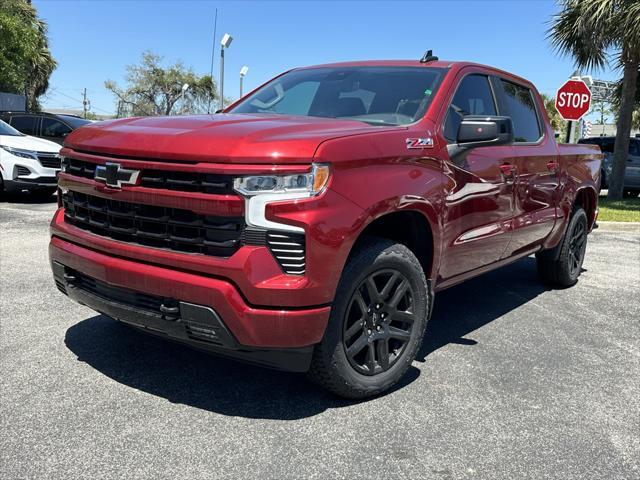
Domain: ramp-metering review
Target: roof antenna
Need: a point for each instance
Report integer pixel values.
(428, 57)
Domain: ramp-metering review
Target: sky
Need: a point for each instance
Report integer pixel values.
(94, 40)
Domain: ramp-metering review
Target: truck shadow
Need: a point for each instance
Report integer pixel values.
(27, 198)
(186, 376)
(460, 310)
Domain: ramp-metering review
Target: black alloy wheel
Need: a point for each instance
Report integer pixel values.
(378, 322)
(561, 266)
(577, 246)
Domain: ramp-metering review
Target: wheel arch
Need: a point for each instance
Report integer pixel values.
(587, 198)
(411, 225)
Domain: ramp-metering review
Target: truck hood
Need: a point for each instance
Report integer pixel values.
(221, 138)
(26, 142)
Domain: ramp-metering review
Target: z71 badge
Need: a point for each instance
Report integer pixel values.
(413, 143)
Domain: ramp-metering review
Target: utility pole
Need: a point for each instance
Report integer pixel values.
(85, 103)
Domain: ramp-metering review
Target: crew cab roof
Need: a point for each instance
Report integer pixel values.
(448, 64)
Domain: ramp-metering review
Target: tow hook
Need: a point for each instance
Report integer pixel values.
(170, 313)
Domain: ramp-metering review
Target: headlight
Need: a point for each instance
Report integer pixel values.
(307, 184)
(260, 190)
(18, 152)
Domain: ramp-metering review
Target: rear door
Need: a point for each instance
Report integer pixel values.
(535, 156)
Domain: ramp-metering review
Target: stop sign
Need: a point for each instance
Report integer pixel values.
(573, 100)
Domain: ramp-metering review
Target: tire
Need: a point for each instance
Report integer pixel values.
(350, 360)
(564, 271)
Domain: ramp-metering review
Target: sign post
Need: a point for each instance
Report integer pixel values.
(573, 100)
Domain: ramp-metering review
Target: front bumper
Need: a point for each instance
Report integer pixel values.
(276, 337)
(36, 177)
(30, 184)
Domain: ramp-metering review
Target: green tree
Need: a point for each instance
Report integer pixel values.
(635, 120)
(25, 60)
(598, 33)
(156, 90)
(617, 97)
(557, 122)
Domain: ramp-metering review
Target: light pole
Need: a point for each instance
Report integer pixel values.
(185, 87)
(224, 43)
(243, 72)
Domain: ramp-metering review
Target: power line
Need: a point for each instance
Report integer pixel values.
(80, 101)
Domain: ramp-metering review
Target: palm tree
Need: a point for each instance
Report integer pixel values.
(597, 33)
(33, 66)
(557, 122)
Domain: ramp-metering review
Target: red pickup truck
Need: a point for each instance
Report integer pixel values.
(309, 225)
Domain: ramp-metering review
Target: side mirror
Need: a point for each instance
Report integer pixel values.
(485, 131)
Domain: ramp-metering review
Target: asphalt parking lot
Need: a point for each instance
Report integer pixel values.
(513, 381)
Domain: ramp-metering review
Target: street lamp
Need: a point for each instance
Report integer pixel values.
(243, 72)
(224, 43)
(185, 87)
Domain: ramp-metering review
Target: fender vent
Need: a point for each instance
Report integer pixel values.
(289, 251)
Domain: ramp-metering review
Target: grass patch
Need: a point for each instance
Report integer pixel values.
(627, 210)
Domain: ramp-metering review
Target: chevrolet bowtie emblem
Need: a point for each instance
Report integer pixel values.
(114, 176)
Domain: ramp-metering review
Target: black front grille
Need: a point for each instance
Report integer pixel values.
(187, 181)
(154, 226)
(49, 160)
(289, 250)
(78, 168)
(163, 179)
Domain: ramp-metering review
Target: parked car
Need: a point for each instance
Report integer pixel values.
(631, 173)
(44, 125)
(309, 225)
(27, 163)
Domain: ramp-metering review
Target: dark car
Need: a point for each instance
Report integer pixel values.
(631, 173)
(44, 125)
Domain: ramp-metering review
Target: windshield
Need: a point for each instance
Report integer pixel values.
(75, 122)
(375, 95)
(6, 129)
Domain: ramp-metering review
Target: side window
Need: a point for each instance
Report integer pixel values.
(634, 148)
(54, 128)
(473, 97)
(522, 110)
(24, 123)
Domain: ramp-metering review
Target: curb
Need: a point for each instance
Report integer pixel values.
(633, 227)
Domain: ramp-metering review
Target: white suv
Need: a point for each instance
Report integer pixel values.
(27, 163)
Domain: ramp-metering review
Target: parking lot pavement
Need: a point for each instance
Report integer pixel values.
(513, 381)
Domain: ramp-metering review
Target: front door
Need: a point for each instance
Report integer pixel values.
(478, 203)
